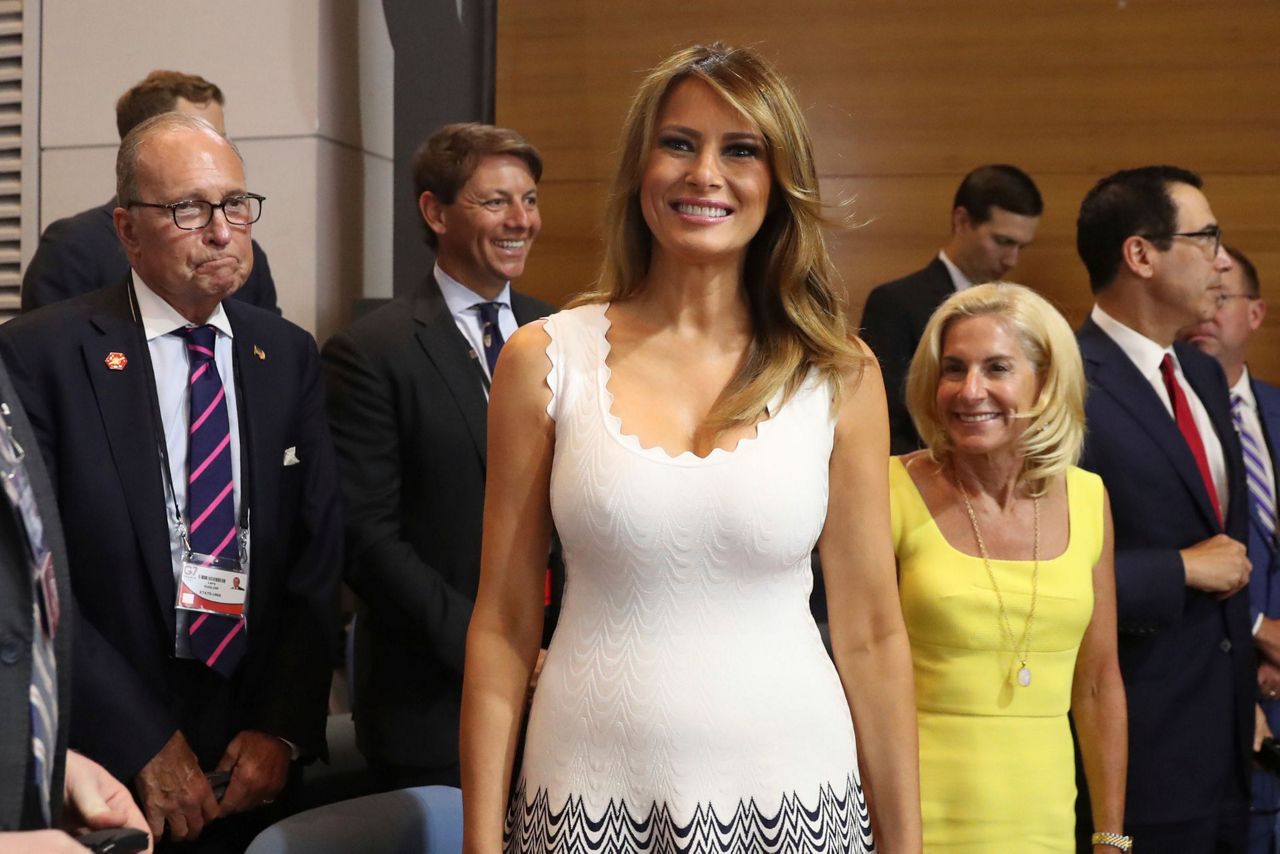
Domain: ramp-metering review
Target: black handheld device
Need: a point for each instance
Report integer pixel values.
(116, 840)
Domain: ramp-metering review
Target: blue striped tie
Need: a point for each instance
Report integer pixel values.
(44, 706)
(1261, 495)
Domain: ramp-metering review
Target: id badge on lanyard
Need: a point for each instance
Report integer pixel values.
(22, 498)
(214, 584)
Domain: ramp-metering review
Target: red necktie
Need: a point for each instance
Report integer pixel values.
(1187, 424)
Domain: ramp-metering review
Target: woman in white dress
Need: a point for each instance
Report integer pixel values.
(690, 427)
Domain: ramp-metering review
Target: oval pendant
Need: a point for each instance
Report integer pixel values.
(1024, 676)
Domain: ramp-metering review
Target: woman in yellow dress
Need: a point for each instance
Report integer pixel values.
(1004, 553)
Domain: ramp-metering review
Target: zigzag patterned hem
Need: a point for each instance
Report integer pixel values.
(837, 824)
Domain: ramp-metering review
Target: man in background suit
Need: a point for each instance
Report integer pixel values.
(185, 437)
(1255, 408)
(81, 253)
(408, 397)
(1160, 435)
(993, 218)
(38, 776)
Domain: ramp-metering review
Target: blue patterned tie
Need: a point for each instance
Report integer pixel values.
(217, 640)
(490, 333)
(44, 706)
(1261, 495)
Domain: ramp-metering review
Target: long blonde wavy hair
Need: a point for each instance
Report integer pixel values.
(788, 277)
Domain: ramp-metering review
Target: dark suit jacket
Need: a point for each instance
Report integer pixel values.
(892, 322)
(81, 253)
(1186, 657)
(408, 412)
(17, 630)
(1264, 583)
(100, 438)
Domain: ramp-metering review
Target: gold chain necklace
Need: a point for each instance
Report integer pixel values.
(1024, 672)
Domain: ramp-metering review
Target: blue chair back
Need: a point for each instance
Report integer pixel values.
(422, 820)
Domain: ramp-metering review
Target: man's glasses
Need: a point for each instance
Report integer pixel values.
(1210, 236)
(1222, 299)
(195, 214)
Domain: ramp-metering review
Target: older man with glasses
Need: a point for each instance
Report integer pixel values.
(185, 436)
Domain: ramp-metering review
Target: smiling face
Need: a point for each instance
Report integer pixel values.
(985, 382)
(191, 270)
(485, 234)
(705, 187)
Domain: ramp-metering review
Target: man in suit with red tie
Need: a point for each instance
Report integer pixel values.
(1161, 436)
(185, 437)
(408, 397)
(1255, 409)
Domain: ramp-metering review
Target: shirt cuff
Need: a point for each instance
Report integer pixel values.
(1257, 624)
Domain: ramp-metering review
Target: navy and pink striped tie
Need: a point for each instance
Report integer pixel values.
(219, 641)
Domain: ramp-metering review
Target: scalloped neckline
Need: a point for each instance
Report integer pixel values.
(656, 452)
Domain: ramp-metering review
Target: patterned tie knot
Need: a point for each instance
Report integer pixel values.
(199, 342)
(1237, 404)
(488, 312)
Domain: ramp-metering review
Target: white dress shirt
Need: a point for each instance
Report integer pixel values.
(169, 364)
(958, 279)
(1146, 356)
(462, 301)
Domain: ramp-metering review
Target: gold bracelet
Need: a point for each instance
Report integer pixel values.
(1115, 840)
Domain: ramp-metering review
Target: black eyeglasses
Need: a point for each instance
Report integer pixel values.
(1211, 232)
(195, 214)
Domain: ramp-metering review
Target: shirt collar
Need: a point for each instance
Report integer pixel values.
(958, 278)
(461, 299)
(1141, 350)
(1244, 390)
(160, 318)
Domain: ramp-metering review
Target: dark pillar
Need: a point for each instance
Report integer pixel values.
(445, 56)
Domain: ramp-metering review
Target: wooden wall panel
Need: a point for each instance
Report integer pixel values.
(905, 97)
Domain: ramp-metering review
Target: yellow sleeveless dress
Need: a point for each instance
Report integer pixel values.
(997, 770)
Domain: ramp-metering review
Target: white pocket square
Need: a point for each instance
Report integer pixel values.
(291, 456)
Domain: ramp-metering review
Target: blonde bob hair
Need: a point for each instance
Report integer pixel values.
(788, 277)
(1055, 434)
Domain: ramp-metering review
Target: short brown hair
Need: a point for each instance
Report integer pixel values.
(157, 93)
(444, 163)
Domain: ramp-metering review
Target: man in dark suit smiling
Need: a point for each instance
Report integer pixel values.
(1161, 436)
(185, 436)
(408, 397)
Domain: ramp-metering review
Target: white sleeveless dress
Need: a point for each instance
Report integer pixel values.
(687, 703)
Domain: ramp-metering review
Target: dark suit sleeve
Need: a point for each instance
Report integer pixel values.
(294, 701)
(886, 328)
(383, 568)
(260, 289)
(118, 719)
(64, 265)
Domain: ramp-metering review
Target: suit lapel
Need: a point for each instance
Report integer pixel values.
(452, 356)
(1110, 369)
(256, 393)
(124, 399)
